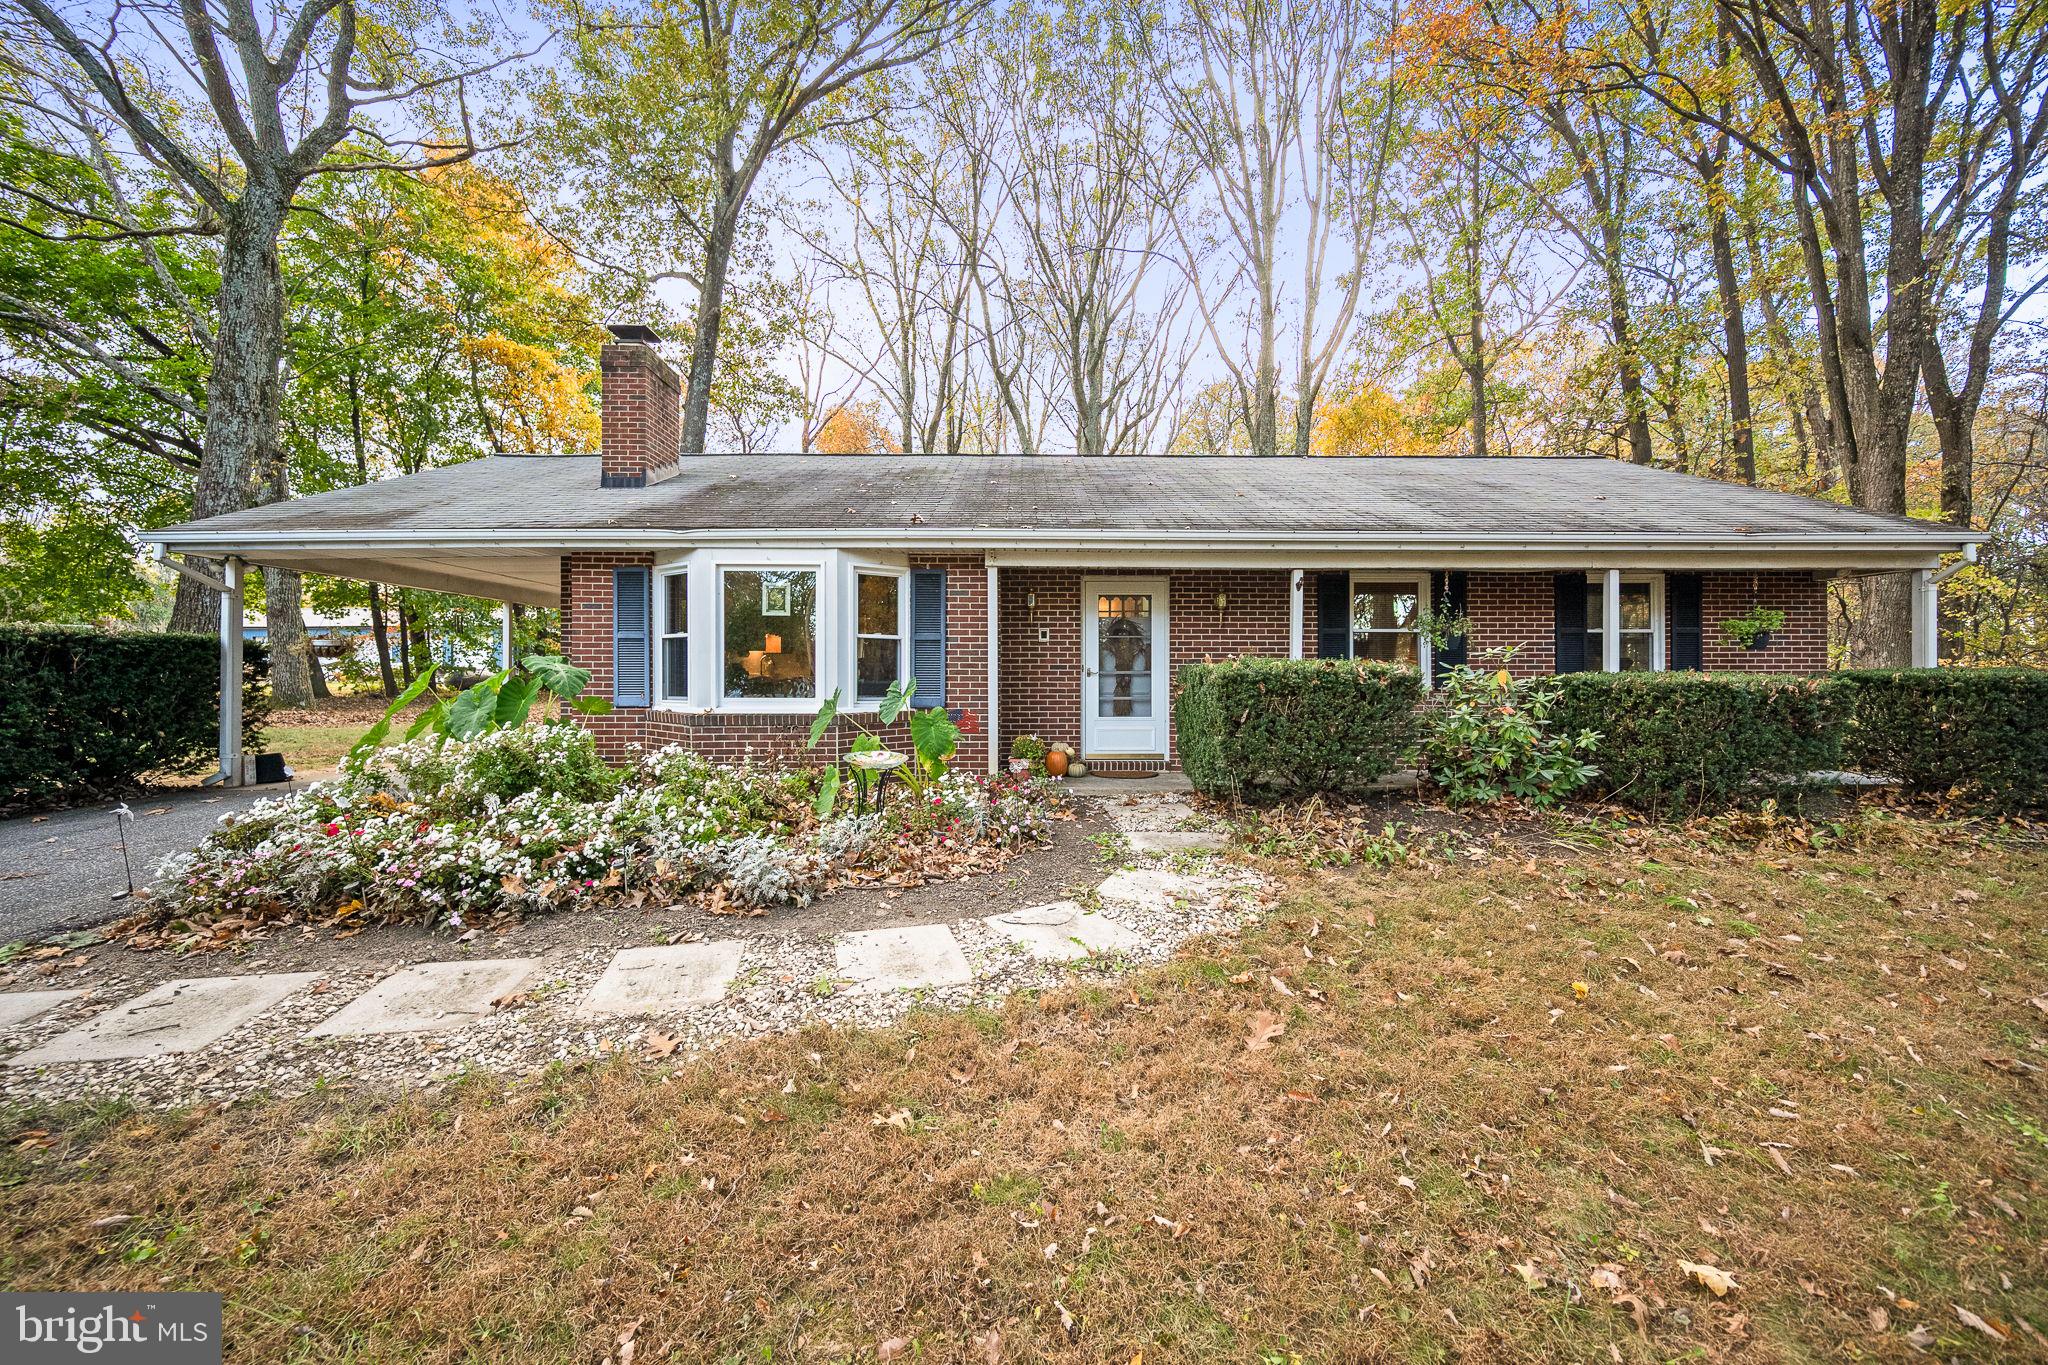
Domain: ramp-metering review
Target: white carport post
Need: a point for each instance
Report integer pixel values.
(504, 635)
(230, 673)
(1610, 622)
(1926, 619)
(1294, 646)
(994, 673)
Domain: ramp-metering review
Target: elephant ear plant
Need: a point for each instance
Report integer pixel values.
(502, 701)
(932, 733)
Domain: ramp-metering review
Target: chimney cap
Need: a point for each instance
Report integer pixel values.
(634, 331)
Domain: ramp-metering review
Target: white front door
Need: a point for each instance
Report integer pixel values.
(1123, 667)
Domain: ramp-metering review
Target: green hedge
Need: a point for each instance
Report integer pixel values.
(1680, 742)
(1293, 725)
(83, 712)
(1982, 732)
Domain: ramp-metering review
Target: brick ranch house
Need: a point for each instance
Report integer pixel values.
(716, 599)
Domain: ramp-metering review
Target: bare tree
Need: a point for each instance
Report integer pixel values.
(1288, 107)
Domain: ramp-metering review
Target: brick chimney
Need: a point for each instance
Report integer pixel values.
(641, 409)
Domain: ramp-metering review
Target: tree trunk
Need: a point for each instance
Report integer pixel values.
(291, 653)
(381, 640)
(1735, 343)
(242, 390)
(1952, 425)
(704, 334)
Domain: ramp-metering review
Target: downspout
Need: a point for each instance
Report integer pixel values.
(994, 673)
(1294, 643)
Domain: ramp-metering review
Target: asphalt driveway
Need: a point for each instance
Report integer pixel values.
(61, 870)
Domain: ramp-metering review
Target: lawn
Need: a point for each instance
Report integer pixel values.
(1456, 1107)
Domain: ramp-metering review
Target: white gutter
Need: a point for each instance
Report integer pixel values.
(200, 541)
(1942, 576)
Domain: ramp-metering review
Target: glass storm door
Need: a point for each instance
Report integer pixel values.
(1123, 667)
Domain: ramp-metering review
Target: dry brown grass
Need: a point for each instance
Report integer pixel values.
(1116, 1157)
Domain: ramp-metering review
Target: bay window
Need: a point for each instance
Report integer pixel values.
(770, 620)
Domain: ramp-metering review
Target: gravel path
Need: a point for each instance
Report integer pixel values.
(1151, 905)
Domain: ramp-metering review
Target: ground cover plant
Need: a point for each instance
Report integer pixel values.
(1533, 1089)
(530, 819)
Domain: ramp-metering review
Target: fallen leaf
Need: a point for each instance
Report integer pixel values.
(1266, 1026)
(1970, 1319)
(1607, 1278)
(1531, 1276)
(895, 1348)
(988, 1346)
(659, 1045)
(1713, 1277)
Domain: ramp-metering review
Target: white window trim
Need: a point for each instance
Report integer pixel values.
(1423, 606)
(1655, 582)
(662, 635)
(857, 569)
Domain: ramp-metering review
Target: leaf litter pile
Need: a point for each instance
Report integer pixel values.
(1746, 1090)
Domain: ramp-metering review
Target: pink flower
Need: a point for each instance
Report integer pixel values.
(333, 830)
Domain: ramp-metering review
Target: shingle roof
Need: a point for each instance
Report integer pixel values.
(1184, 497)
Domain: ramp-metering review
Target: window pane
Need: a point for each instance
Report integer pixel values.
(1596, 606)
(1123, 655)
(1635, 606)
(1383, 606)
(1385, 646)
(877, 615)
(877, 668)
(676, 618)
(675, 667)
(771, 624)
(1635, 650)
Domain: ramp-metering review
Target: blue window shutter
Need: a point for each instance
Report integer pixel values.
(928, 635)
(1333, 616)
(1682, 603)
(1570, 640)
(632, 664)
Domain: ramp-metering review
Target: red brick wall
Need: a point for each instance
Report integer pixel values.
(1518, 609)
(1801, 647)
(1513, 610)
(1041, 679)
(641, 411)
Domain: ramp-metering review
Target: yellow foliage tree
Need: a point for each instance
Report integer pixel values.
(1362, 420)
(855, 429)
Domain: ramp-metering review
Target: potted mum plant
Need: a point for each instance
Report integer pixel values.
(1027, 754)
(1752, 630)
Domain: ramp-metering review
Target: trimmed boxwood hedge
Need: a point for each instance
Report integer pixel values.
(1282, 726)
(1681, 742)
(1982, 732)
(84, 712)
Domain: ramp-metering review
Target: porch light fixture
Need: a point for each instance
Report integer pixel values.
(1222, 601)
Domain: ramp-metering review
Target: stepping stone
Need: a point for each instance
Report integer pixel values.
(178, 1016)
(878, 960)
(1151, 815)
(20, 1006)
(1153, 889)
(1160, 843)
(428, 998)
(1063, 932)
(665, 980)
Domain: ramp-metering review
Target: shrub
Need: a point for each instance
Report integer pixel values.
(1700, 741)
(444, 830)
(86, 712)
(1293, 725)
(1982, 732)
(1492, 736)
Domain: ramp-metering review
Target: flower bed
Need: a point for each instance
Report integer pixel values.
(531, 819)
